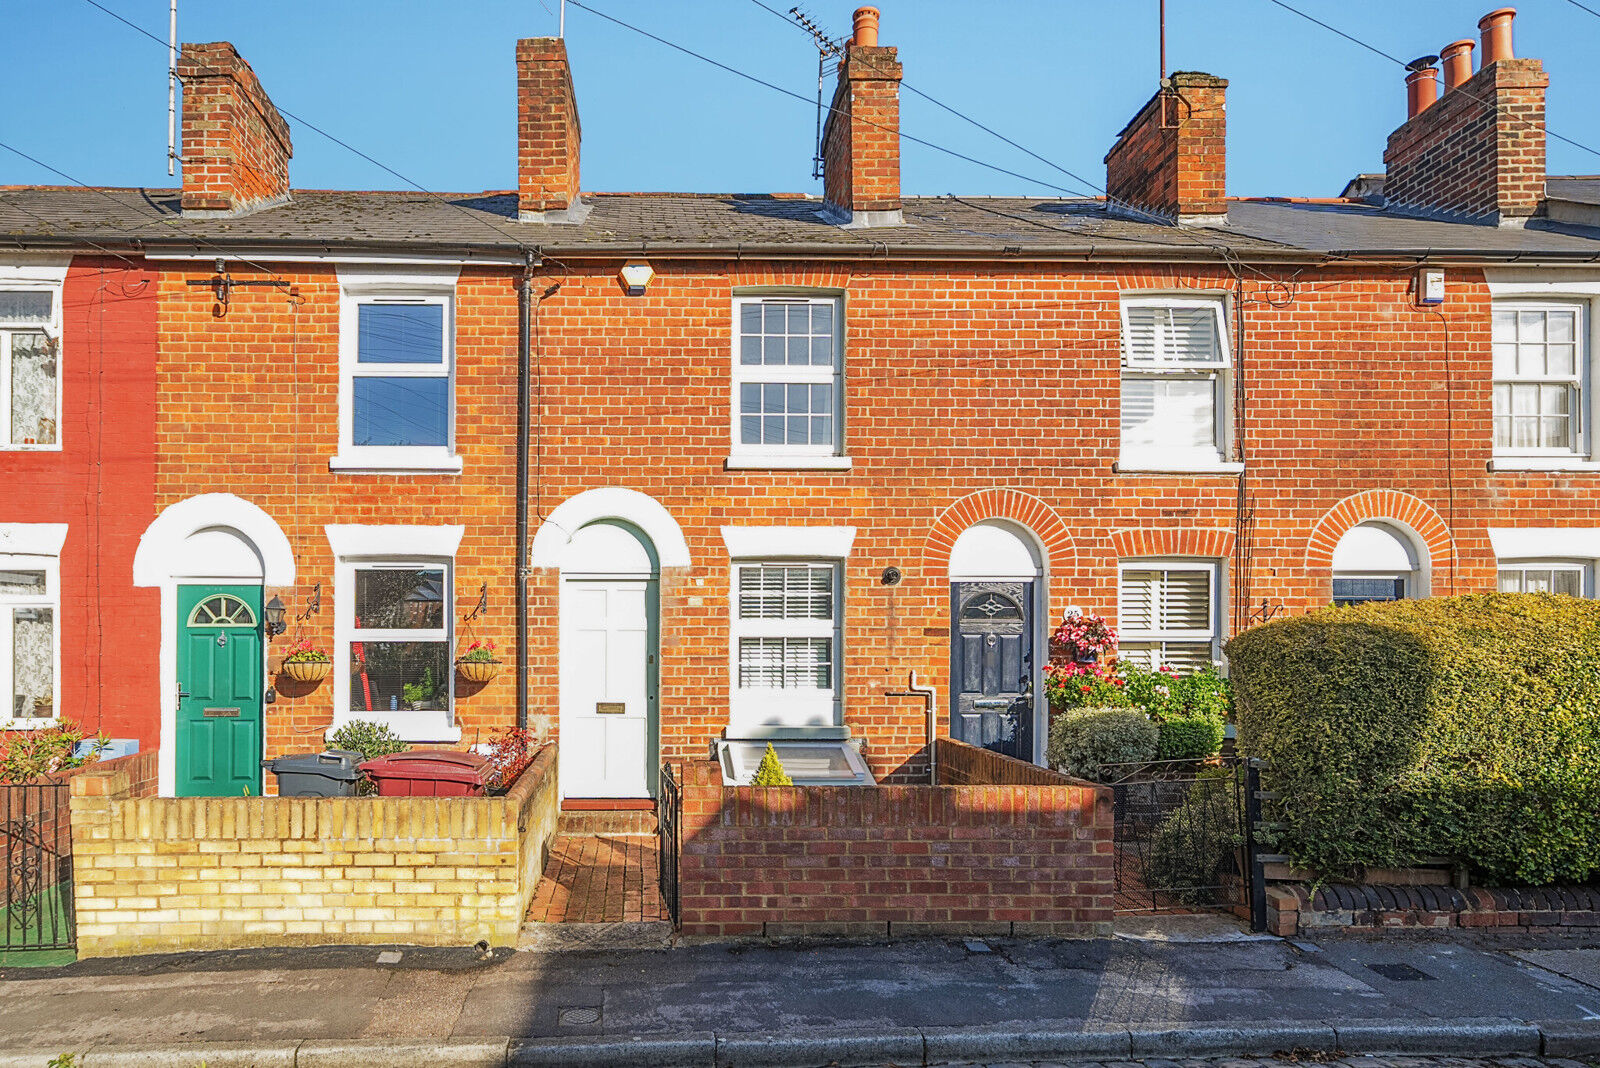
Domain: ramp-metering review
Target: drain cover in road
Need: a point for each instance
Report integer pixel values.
(578, 1016)
(1400, 973)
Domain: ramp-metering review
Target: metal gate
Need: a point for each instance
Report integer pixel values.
(669, 824)
(1183, 839)
(36, 833)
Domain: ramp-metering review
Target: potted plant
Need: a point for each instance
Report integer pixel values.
(477, 662)
(306, 662)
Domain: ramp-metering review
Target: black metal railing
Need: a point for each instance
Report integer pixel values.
(36, 834)
(669, 831)
(1182, 839)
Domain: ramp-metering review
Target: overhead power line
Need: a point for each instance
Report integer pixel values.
(1400, 62)
(1584, 7)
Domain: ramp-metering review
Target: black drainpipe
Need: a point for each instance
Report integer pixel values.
(524, 389)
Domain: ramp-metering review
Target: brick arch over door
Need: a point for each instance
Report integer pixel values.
(1407, 511)
(1021, 508)
(1182, 541)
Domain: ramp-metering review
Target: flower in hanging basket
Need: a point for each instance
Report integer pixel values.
(1085, 638)
(306, 662)
(477, 662)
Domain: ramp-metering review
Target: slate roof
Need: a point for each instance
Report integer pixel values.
(485, 225)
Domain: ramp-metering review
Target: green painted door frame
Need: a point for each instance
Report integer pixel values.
(219, 691)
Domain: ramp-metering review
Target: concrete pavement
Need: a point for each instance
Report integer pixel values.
(753, 1003)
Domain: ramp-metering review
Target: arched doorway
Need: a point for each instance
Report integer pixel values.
(609, 714)
(996, 642)
(211, 556)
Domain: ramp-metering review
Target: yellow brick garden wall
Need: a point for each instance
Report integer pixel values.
(155, 875)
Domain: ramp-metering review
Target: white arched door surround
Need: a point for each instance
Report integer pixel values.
(998, 639)
(1379, 560)
(555, 533)
(609, 720)
(210, 538)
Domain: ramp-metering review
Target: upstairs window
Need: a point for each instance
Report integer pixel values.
(30, 371)
(1167, 614)
(1175, 362)
(787, 377)
(1541, 368)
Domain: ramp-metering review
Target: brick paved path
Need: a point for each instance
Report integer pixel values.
(599, 879)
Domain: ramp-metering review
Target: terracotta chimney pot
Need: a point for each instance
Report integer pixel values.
(866, 27)
(1422, 90)
(1457, 56)
(1496, 30)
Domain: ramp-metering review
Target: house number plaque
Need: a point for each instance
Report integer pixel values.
(610, 708)
(221, 713)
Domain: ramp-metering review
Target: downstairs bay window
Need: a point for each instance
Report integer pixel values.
(1167, 614)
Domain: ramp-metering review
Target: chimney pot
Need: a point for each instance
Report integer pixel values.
(1422, 88)
(1457, 56)
(1496, 30)
(866, 27)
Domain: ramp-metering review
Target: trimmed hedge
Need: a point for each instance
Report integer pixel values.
(1081, 739)
(1465, 727)
(1190, 737)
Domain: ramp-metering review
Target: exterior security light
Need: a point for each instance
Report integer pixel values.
(636, 276)
(274, 614)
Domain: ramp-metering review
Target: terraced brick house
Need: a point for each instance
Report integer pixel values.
(713, 470)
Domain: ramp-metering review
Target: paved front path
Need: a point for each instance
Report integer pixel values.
(1043, 985)
(599, 879)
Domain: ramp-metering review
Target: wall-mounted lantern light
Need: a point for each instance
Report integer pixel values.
(636, 276)
(274, 613)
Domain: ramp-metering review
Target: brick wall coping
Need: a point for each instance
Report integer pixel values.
(961, 764)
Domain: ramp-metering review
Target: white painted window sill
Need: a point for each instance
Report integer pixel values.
(431, 462)
(1543, 463)
(1139, 466)
(30, 448)
(410, 726)
(771, 462)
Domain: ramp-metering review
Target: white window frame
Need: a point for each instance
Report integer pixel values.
(360, 287)
(1213, 635)
(1584, 569)
(51, 566)
(1581, 378)
(362, 547)
(33, 280)
(758, 712)
(1212, 459)
(829, 456)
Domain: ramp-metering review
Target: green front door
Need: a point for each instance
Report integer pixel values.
(219, 691)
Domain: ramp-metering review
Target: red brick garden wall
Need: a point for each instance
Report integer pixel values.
(893, 859)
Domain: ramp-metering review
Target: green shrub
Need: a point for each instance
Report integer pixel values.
(1082, 739)
(1190, 737)
(1195, 846)
(1467, 727)
(26, 756)
(371, 740)
(770, 771)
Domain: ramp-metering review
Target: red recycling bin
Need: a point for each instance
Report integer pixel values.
(429, 773)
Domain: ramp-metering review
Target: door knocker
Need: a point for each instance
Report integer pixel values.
(222, 639)
(989, 640)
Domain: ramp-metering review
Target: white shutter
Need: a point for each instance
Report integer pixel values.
(1186, 601)
(1136, 609)
(1165, 616)
(1176, 335)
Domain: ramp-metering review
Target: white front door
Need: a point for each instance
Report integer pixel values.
(607, 744)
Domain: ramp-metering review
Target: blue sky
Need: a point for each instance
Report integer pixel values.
(428, 88)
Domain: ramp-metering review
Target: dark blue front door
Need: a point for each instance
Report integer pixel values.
(991, 666)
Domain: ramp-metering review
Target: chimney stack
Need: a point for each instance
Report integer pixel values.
(236, 146)
(548, 135)
(861, 141)
(1171, 160)
(1478, 153)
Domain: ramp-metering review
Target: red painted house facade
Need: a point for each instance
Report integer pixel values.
(773, 456)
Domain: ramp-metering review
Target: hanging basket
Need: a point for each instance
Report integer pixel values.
(478, 671)
(307, 670)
